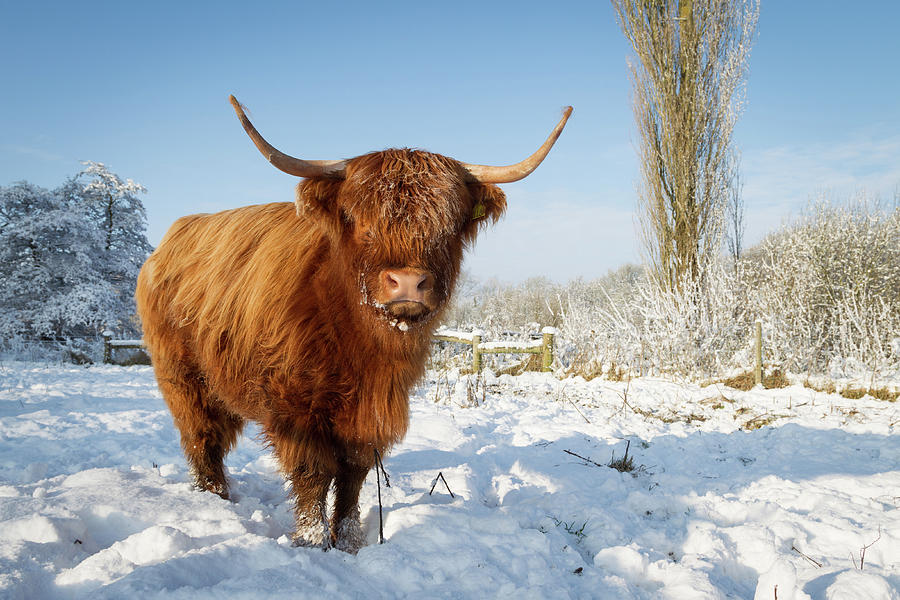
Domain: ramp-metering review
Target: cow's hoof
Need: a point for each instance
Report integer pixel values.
(349, 536)
(312, 533)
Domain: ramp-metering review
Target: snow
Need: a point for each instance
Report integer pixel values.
(488, 346)
(469, 337)
(126, 343)
(466, 336)
(733, 494)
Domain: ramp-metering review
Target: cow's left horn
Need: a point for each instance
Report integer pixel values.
(510, 173)
(289, 164)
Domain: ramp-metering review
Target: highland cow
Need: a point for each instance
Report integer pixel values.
(314, 318)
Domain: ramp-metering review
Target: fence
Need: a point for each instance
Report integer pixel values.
(757, 353)
(110, 344)
(543, 346)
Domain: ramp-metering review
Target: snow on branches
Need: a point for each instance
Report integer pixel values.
(69, 257)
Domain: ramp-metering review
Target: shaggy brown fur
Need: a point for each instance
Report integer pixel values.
(276, 314)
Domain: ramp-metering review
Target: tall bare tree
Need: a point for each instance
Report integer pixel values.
(734, 216)
(689, 62)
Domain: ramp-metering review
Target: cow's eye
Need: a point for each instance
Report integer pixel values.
(365, 236)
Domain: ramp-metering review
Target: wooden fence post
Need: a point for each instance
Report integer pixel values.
(547, 348)
(476, 351)
(758, 373)
(107, 347)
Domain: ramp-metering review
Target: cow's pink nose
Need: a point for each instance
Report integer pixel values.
(406, 285)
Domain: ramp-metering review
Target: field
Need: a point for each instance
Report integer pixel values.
(728, 494)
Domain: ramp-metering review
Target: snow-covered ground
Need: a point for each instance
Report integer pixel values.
(733, 494)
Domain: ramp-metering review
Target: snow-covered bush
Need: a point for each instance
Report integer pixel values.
(827, 288)
(500, 310)
(596, 317)
(695, 329)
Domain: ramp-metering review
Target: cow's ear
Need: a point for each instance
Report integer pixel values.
(488, 205)
(317, 200)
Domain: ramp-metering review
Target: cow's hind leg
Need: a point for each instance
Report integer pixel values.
(207, 430)
(346, 529)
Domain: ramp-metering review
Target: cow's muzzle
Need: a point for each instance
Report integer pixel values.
(407, 310)
(407, 292)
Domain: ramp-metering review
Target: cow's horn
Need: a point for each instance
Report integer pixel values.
(289, 164)
(510, 173)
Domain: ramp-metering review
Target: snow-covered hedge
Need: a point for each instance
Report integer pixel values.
(828, 289)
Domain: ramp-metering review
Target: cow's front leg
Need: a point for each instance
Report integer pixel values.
(309, 487)
(346, 529)
(307, 468)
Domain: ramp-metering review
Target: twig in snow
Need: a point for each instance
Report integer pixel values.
(807, 557)
(559, 394)
(440, 476)
(583, 458)
(579, 412)
(380, 465)
(379, 469)
(624, 395)
(862, 551)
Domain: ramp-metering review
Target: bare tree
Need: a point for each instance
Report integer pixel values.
(689, 62)
(734, 214)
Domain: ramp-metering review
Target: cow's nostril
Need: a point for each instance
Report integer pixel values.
(405, 285)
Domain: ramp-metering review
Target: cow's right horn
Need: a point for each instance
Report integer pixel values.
(289, 164)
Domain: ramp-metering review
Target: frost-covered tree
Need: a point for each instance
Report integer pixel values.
(501, 309)
(734, 216)
(69, 257)
(828, 287)
(49, 287)
(113, 208)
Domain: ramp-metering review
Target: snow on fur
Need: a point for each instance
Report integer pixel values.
(734, 493)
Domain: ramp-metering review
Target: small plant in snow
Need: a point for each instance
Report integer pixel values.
(476, 389)
(571, 528)
(862, 552)
(624, 464)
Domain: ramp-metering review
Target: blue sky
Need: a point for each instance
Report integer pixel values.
(143, 88)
